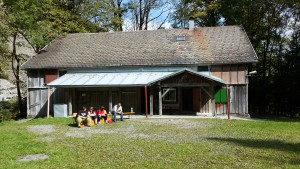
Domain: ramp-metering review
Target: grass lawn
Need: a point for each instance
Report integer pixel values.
(152, 143)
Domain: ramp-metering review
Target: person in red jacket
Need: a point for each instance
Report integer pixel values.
(101, 113)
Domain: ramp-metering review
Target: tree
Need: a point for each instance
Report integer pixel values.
(38, 22)
(205, 12)
(267, 24)
(140, 11)
(4, 35)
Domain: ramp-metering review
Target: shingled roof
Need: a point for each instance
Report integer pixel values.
(202, 46)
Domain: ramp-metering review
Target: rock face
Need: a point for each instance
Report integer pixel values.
(7, 90)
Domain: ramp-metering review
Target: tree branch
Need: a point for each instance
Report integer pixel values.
(164, 21)
(36, 50)
(163, 11)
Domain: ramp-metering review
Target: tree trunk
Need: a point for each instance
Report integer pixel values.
(120, 15)
(16, 72)
(141, 18)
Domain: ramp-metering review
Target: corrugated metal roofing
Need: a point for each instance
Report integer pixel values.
(76, 79)
(108, 79)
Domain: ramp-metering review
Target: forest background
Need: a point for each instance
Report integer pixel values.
(273, 27)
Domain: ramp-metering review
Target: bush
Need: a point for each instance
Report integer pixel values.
(8, 109)
(5, 115)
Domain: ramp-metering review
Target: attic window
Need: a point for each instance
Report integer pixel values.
(180, 38)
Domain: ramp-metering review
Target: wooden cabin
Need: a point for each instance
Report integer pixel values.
(178, 71)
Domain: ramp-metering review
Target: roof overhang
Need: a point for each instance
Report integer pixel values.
(122, 79)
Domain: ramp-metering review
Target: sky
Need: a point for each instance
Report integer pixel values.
(155, 23)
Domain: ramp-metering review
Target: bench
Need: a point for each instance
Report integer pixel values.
(129, 114)
(92, 121)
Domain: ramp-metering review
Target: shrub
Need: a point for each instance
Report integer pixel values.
(8, 109)
(5, 115)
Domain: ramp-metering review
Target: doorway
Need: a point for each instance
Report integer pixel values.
(187, 100)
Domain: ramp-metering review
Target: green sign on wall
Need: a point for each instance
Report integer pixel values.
(220, 96)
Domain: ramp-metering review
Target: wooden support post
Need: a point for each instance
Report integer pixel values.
(246, 99)
(151, 102)
(48, 102)
(228, 102)
(212, 100)
(110, 105)
(28, 99)
(70, 102)
(160, 101)
(146, 101)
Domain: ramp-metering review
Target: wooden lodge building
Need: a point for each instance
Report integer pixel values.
(177, 71)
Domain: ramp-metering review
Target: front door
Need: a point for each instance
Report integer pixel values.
(187, 100)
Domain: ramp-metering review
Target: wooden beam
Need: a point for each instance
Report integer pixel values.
(228, 102)
(211, 96)
(185, 85)
(110, 100)
(246, 99)
(48, 102)
(70, 102)
(160, 101)
(146, 101)
(212, 101)
(163, 95)
(151, 102)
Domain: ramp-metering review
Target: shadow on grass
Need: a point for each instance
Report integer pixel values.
(257, 143)
(72, 125)
(275, 118)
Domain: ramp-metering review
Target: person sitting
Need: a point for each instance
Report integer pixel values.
(101, 113)
(83, 116)
(117, 109)
(93, 115)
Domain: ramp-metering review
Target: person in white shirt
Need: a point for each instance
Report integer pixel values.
(117, 109)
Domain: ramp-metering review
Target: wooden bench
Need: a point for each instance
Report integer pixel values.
(92, 121)
(129, 114)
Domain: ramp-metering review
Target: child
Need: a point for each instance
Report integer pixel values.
(101, 113)
(92, 114)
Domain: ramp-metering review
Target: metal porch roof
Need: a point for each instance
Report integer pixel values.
(126, 79)
(107, 79)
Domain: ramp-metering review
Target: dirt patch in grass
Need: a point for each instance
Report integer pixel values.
(33, 157)
(87, 132)
(140, 129)
(41, 129)
(179, 123)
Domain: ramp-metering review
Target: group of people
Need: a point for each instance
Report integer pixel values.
(86, 116)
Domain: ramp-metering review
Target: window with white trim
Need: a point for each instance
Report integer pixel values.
(171, 95)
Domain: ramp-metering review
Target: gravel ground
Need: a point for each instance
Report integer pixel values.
(41, 129)
(135, 129)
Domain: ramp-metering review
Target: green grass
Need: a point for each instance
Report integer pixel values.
(153, 143)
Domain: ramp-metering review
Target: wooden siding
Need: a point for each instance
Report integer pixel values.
(238, 99)
(204, 101)
(50, 75)
(97, 97)
(35, 78)
(184, 79)
(220, 108)
(232, 74)
(37, 94)
(37, 102)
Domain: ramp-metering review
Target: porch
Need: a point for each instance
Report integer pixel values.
(183, 92)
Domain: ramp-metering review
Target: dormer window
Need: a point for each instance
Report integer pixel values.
(180, 38)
